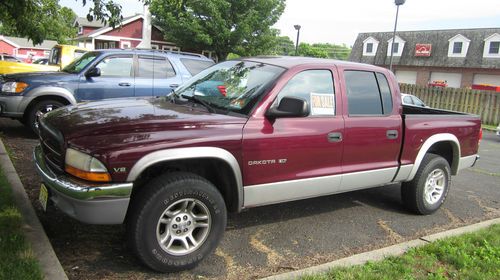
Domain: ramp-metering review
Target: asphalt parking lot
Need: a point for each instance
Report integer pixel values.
(273, 239)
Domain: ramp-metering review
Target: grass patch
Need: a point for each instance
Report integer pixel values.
(16, 258)
(469, 256)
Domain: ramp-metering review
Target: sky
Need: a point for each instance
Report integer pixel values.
(340, 21)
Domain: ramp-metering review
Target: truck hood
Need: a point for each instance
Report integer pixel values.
(131, 116)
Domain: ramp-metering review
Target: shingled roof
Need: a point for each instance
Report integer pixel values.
(82, 21)
(439, 55)
(26, 43)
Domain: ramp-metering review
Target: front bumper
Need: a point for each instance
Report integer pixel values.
(86, 202)
(9, 106)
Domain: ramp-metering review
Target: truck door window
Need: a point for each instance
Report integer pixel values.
(309, 83)
(155, 67)
(385, 93)
(363, 95)
(116, 66)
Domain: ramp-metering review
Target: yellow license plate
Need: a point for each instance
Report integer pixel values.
(43, 196)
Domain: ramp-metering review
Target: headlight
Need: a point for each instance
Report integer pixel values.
(85, 167)
(14, 87)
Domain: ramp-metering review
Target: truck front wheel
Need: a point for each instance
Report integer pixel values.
(429, 188)
(176, 221)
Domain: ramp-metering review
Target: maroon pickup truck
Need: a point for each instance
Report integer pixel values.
(241, 134)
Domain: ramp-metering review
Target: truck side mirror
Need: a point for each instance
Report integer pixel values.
(289, 107)
(94, 72)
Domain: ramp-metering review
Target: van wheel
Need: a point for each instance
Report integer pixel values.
(429, 188)
(176, 221)
(39, 109)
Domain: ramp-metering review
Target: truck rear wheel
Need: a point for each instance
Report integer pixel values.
(429, 188)
(176, 221)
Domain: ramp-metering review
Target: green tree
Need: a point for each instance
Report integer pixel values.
(283, 46)
(242, 27)
(41, 19)
(324, 50)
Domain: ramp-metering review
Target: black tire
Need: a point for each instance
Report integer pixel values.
(167, 192)
(414, 194)
(43, 106)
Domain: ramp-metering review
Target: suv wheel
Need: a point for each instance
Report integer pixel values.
(176, 221)
(429, 188)
(40, 109)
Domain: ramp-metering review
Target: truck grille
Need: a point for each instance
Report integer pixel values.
(52, 144)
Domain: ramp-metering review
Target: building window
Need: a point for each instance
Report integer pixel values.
(395, 47)
(494, 48)
(125, 44)
(154, 47)
(369, 48)
(80, 30)
(457, 47)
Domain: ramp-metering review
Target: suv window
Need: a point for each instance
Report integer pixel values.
(312, 84)
(368, 93)
(195, 66)
(116, 66)
(155, 67)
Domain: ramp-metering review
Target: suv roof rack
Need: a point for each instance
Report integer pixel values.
(168, 51)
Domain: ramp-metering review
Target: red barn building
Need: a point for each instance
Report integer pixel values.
(129, 35)
(22, 48)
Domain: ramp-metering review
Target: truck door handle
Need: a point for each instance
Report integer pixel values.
(392, 134)
(124, 84)
(174, 85)
(334, 137)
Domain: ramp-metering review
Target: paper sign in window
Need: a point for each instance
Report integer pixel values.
(322, 104)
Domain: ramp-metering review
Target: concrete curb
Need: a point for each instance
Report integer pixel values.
(33, 230)
(376, 255)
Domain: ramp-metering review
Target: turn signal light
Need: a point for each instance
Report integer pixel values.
(89, 176)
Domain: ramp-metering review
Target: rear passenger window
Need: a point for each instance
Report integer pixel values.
(385, 93)
(155, 67)
(368, 93)
(195, 66)
(314, 86)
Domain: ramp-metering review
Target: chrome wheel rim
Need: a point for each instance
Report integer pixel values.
(434, 186)
(43, 111)
(183, 227)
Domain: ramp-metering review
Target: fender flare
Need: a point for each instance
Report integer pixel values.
(46, 91)
(441, 137)
(190, 153)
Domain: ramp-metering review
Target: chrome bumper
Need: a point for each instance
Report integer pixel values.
(89, 203)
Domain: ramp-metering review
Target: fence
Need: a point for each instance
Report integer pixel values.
(486, 104)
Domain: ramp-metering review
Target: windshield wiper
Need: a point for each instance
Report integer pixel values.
(195, 99)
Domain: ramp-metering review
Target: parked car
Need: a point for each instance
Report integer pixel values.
(409, 99)
(8, 57)
(287, 128)
(43, 61)
(498, 130)
(97, 75)
(60, 57)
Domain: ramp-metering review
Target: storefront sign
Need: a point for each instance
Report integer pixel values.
(423, 50)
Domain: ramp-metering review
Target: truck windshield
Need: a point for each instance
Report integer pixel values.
(77, 65)
(230, 86)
